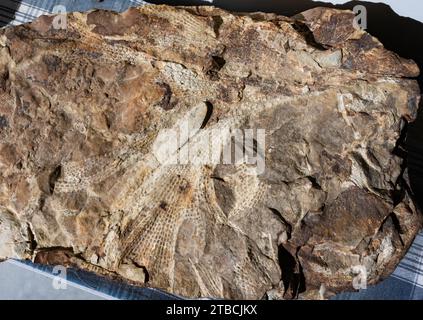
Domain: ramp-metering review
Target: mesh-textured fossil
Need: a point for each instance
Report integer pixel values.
(82, 108)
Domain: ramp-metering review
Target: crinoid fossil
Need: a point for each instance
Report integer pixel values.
(114, 156)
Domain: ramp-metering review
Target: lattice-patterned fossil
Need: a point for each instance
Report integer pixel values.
(83, 108)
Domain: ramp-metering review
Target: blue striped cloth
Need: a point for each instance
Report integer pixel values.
(115, 289)
(405, 283)
(28, 10)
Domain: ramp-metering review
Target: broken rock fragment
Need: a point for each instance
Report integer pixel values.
(90, 179)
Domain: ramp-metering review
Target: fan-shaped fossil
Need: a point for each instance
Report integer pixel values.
(83, 111)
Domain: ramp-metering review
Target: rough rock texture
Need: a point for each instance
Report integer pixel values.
(81, 109)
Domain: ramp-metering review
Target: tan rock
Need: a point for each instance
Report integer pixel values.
(87, 177)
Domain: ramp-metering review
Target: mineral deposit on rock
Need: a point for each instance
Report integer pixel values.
(82, 110)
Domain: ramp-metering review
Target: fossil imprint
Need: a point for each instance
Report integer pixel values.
(90, 176)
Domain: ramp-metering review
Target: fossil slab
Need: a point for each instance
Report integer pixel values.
(85, 182)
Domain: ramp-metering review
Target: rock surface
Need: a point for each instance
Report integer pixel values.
(81, 114)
